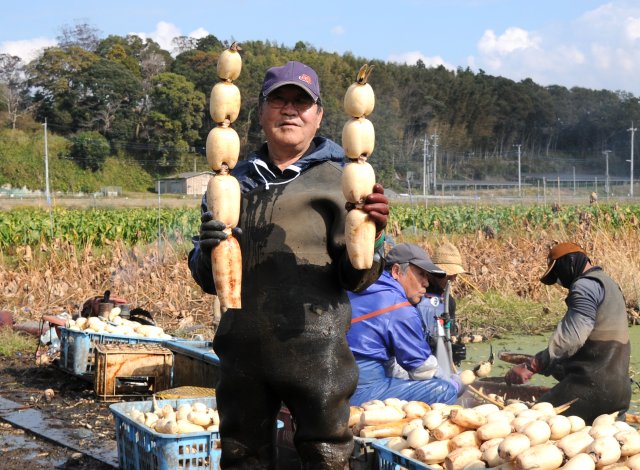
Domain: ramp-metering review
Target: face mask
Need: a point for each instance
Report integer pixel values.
(569, 267)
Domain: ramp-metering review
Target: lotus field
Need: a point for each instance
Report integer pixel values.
(140, 254)
(99, 227)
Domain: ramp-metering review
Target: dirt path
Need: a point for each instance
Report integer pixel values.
(72, 416)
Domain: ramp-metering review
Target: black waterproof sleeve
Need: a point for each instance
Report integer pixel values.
(201, 269)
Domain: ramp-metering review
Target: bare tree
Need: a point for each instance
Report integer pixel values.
(13, 89)
(183, 44)
(80, 34)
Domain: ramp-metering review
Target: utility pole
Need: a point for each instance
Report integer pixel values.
(46, 178)
(435, 159)
(519, 172)
(425, 153)
(633, 131)
(46, 164)
(606, 172)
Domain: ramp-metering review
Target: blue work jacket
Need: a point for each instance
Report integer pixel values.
(384, 325)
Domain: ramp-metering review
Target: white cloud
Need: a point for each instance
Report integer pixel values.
(513, 39)
(599, 50)
(632, 28)
(27, 49)
(337, 30)
(410, 58)
(199, 33)
(163, 35)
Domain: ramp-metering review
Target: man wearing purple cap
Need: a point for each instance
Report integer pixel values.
(287, 343)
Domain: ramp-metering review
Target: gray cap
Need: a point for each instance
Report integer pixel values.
(411, 253)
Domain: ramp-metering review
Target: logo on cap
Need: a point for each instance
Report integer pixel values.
(305, 78)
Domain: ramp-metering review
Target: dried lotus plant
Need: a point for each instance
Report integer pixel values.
(358, 179)
(223, 190)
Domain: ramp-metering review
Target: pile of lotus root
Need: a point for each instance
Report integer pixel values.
(512, 436)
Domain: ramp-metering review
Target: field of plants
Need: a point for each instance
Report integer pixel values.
(53, 262)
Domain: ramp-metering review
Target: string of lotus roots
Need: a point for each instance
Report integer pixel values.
(223, 190)
(358, 178)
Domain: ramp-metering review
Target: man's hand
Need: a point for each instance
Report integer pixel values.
(376, 205)
(212, 233)
(521, 373)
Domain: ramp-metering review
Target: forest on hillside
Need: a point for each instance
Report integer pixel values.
(128, 97)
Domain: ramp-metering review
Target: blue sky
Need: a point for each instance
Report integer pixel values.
(588, 43)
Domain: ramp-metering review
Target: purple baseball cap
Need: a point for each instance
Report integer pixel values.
(292, 73)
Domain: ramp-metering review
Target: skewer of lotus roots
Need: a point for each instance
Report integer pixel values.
(358, 179)
(223, 190)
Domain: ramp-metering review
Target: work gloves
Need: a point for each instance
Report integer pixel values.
(459, 353)
(521, 373)
(376, 205)
(212, 233)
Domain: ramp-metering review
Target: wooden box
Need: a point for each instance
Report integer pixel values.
(131, 370)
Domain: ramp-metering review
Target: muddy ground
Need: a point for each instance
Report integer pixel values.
(72, 416)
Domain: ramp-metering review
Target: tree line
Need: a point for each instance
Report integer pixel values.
(122, 95)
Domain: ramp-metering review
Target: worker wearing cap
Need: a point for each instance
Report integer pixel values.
(287, 343)
(387, 332)
(589, 351)
(432, 306)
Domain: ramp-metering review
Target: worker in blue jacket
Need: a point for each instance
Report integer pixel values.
(387, 336)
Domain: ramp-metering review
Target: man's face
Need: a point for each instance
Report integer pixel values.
(414, 282)
(289, 119)
(441, 281)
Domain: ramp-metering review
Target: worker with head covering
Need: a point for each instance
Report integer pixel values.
(436, 302)
(589, 351)
(387, 333)
(286, 344)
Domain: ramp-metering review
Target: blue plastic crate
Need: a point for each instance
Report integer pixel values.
(77, 349)
(141, 448)
(391, 460)
(364, 456)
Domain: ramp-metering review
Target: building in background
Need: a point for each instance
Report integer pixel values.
(192, 183)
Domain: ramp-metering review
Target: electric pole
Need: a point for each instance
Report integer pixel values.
(519, 172)
(606, 172)
(46, 178)
(633, 131)
(425, 153)
(46, 164)
(435, 159)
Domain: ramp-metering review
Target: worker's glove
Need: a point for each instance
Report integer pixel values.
(459, 353)
(376, 205)
(212, 233)
(521, 373)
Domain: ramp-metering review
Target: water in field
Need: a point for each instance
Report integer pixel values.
(477, 352)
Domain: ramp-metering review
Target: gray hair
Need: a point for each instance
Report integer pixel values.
(403, 267)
